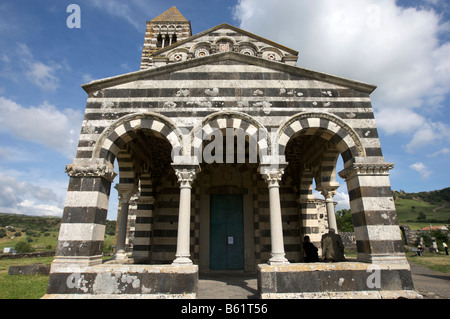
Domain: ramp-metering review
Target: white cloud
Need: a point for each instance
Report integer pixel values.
(421, 169)
(41, 74)
(87, 78)
(20, 197)
(398, 49)
(428, 133)
(422, 131)
(133, 11)
(399, 120)
(443, 151)
(343, 200)
(44, 124)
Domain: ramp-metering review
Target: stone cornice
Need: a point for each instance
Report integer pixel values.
(277, 66)
(358, 169)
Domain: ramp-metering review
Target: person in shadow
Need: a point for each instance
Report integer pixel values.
(332, 246)
(310, 251)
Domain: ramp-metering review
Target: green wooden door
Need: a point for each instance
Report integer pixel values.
(226, 232)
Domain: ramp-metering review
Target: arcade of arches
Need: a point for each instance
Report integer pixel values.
(219, 139)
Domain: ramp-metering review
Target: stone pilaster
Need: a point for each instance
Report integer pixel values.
(83, 224)
(377, 233)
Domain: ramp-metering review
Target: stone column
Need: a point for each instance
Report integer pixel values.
(186, 177)
(126, 191)
(328, 191)
(272, 176)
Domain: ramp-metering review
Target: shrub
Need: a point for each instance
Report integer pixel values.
(23, 247)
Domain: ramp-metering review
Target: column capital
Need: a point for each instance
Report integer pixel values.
(358, 169)
(272, 176)
(126, 191)
(328, 190)
(186, 176)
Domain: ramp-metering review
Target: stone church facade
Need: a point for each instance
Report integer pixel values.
(215, 146)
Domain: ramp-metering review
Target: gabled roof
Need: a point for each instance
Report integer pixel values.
(172, 15)
(225, 26)
(233, 56)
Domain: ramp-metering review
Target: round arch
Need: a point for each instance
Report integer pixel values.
(230, 119)
(335, 130)
(108, 144)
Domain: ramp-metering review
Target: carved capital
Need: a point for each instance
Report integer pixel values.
(328, 190)
(272, 176)
(361, 169)
(91, 170)
(185, 176)
(125, 192)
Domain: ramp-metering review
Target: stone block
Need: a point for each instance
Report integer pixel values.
(346, 279)
(29, 270)
(126, 280)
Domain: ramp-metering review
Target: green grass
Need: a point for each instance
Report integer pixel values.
(408, 210)
(435, 261)
(22, 286)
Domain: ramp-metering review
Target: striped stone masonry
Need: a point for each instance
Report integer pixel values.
(378, 237)
(83, 225)
(222, 112)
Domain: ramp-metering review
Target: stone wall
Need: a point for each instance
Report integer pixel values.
(348, 238)
(28, 255)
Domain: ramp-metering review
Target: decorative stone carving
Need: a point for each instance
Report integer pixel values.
(212, 92)
(125, 192)
(366, 169)
(91, 170)
(272, 176)
(248, 52)
(185, 176)
(199, 53)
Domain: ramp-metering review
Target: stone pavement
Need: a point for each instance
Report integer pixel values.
(431, 284)
(227, 286)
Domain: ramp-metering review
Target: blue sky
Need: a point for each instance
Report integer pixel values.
(403, 47)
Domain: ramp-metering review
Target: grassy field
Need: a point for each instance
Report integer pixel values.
(435, 261)
(408, 210)
(22, 286)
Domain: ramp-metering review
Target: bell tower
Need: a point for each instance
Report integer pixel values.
(164, 30)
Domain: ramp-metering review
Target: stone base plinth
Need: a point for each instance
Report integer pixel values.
(336, 280)
(123, 281)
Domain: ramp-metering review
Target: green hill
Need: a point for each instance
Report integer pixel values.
(420, 209)
(41, 232)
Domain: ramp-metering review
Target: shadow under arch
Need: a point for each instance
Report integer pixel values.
(234, 120)
(341, 134)
(110, 141)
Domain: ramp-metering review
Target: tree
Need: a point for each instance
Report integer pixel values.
(344, 220)
(422, 216)
(23, 247)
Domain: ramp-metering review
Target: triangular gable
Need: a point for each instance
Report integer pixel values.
(231, 56)
(237, 33)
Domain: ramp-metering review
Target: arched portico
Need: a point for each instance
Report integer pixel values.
(369, 202)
